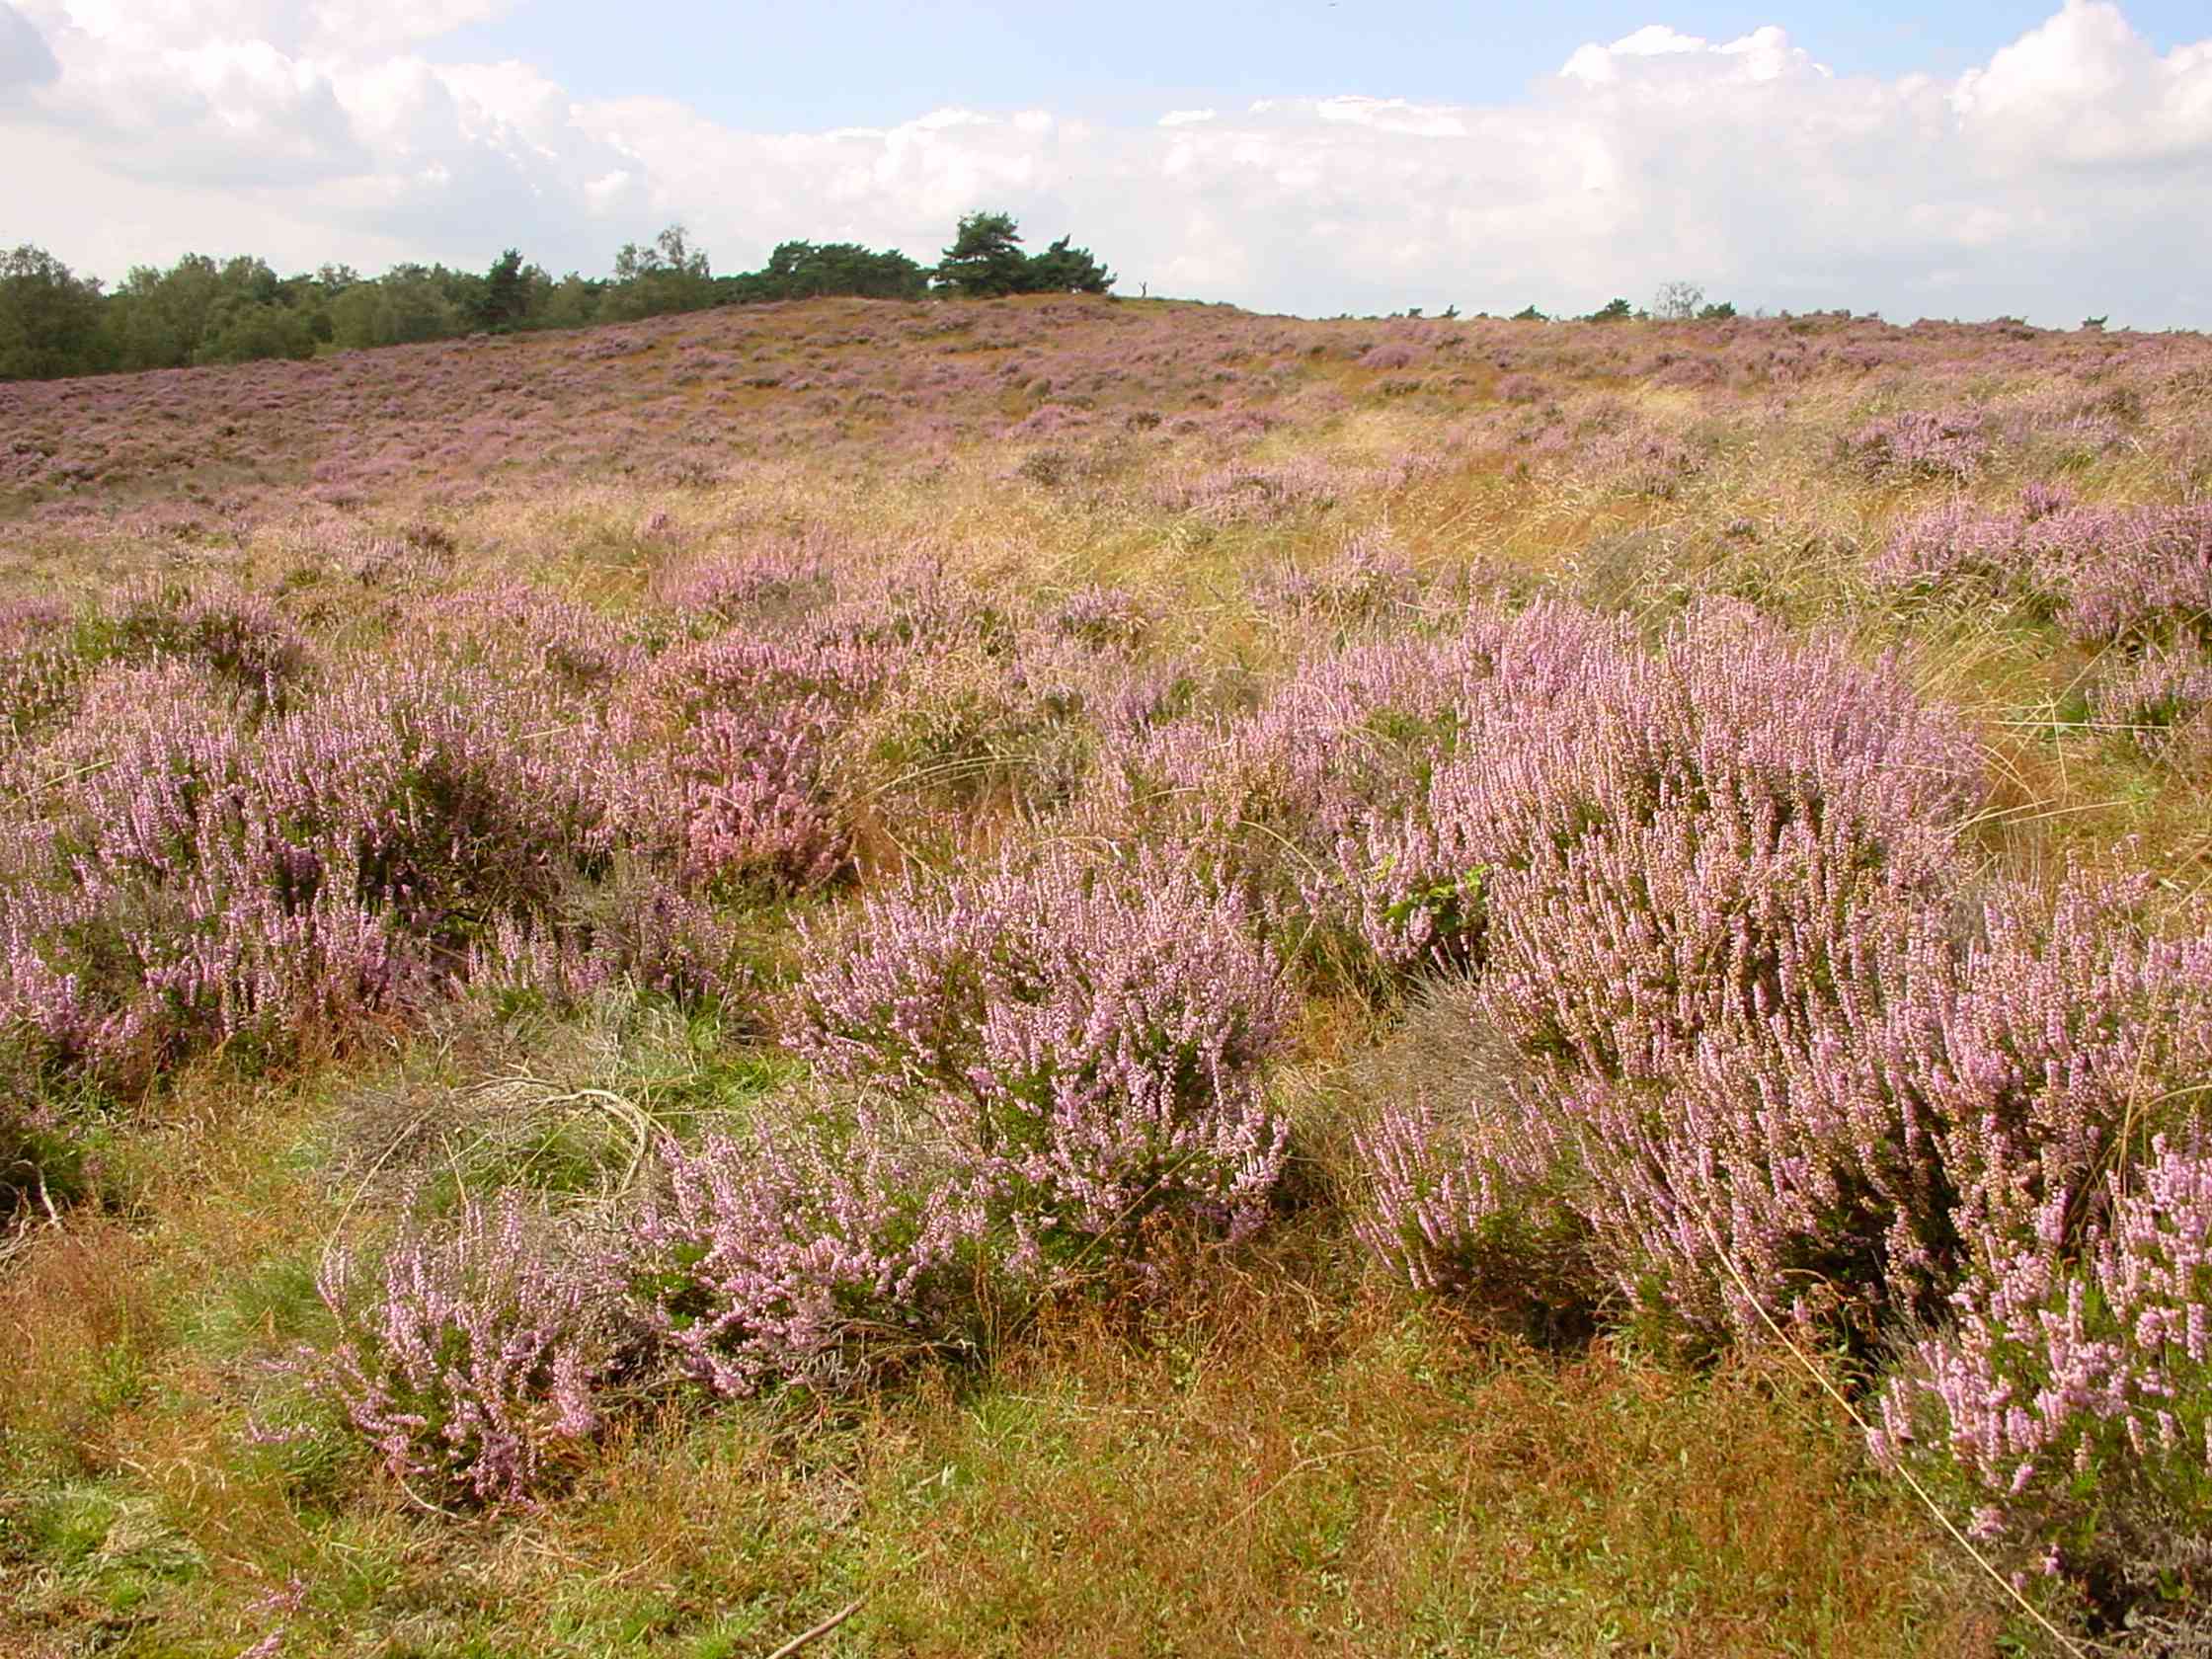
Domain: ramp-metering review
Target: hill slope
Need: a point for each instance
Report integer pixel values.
(1108, 976)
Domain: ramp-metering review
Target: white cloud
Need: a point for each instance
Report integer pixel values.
(2086, 90)
(2055, 179)
(1392, 115)
(1764, 54)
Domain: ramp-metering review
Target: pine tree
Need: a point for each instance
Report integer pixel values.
(985, 257)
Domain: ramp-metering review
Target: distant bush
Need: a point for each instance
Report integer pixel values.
(240, 636)
(1102, 616)
(2125, 576)
(1389, 354)
(1367, 579)
(1951, 444)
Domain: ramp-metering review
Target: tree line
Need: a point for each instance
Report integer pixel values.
(201, 310)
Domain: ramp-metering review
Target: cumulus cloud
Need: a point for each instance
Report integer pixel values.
(2052, 179)
(1764, 54)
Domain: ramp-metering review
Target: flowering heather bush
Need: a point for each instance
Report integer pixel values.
(1351, 736)
(1638, 459)
(807, 1251)
(1089, 1037)
(2109, 574)
(532, 632)
(1679, 878)
(151, 912)
(755, 800)
(1943, 1101)
(194, 882)
(1833, 1155)
(1746, 765)
(2159, 699)
(1956, 541)
(2148, 579)
(1367, 578)
(1102, 616)
(458, 791)
(1083, 694)
(469, 1357)
(1245, 494)
(1050, 420)
(1950, 444)
(1693, 871)
(1390, 353)
(915, 607)
(39, 668)
(2074, 1031)
(2071, 1403)
(774, 584)
(239, 636)
(731, 743)
(1353, 732)
(1692, 371)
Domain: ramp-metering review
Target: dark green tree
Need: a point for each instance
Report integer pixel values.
(407, 304)
(809, 271)
(201, 311)
(50, 319)
(653, 282)
(504, 301)
(159, 317)
(244, 330)
(571, 302)
(1061, 269)
(1613, 311)
(985, 260)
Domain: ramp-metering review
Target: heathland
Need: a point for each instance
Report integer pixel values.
(1061, 975)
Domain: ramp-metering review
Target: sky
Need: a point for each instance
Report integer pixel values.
(1964, 159)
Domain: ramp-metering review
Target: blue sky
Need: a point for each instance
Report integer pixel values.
(2048, 160)
(842, 63)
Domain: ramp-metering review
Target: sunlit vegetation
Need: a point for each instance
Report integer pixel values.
(1064, 975)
